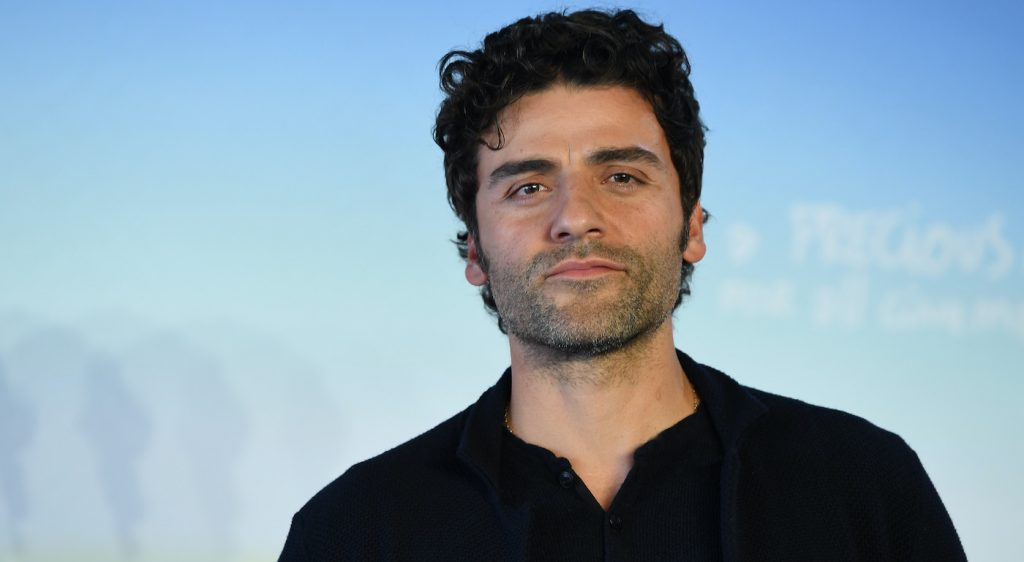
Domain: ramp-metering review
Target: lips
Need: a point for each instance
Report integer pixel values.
(584, 268)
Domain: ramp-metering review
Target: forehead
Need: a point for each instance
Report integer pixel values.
(563, 123)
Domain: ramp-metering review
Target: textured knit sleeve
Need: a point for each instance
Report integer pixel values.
(921, 526)
(294, 546)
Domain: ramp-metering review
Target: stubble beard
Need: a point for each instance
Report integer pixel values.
(598, 319)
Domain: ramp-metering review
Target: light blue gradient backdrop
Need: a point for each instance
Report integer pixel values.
(226, 275)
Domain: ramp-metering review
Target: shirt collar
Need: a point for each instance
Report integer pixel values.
(731, 406)
(480, 443)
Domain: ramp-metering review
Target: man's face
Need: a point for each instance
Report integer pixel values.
(580, 223)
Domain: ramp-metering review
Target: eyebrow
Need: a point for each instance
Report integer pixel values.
(624, 154)
(516, 167)
(595, 158)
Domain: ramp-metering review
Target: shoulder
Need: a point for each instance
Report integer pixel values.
(830, 447)
(391, 504)
(836, 431)
(865, 487)
(752, 420)
(815, 452)
(398, 473)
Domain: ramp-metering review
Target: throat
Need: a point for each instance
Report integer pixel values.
(616, 367)
(604, 478)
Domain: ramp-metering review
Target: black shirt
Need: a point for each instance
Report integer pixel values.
(666, 509)
(796, 482)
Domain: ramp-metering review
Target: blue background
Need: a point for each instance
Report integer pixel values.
(226, 275)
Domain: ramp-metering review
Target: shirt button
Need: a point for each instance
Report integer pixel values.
(566, 478)
(615, 522)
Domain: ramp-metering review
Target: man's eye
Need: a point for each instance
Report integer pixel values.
(528, 189)
(623, 178)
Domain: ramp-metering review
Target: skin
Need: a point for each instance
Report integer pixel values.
(581, 223)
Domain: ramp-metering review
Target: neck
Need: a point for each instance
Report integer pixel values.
(596, 411)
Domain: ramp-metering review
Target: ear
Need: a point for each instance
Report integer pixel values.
(475, 273)
(695, 246)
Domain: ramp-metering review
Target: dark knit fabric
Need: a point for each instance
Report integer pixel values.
(797, 482)
(666, 509)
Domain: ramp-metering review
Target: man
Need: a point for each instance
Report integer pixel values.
(573, 154)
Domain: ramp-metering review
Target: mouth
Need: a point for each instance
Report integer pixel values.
(583, 269)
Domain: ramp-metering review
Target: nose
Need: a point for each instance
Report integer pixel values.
(578, 213)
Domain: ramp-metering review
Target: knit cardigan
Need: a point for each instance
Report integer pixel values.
(798, 482)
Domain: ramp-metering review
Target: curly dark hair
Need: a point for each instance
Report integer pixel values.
(584, 48)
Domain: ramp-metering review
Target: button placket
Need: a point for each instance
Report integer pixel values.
(566, 478)
(615, 522)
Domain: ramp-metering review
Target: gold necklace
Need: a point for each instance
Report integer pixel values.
(508, 423)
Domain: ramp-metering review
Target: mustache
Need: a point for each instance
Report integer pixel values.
(582, 249)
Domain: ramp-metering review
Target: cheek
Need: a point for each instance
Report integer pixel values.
(650, 225)
(504, 238)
